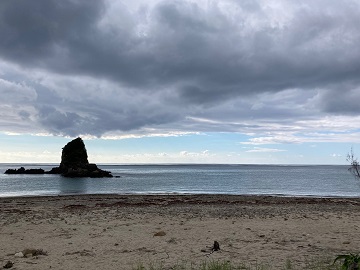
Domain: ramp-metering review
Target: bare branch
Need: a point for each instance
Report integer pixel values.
(354, 163)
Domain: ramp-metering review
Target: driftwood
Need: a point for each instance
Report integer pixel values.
(216, 246)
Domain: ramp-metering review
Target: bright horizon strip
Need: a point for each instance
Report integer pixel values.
(207, 148)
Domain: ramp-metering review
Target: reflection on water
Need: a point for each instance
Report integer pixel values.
(72, 185)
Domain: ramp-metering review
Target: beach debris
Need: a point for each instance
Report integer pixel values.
(83, 252)
(74, 206)
(30, 252)
(19, 254)
(161, 233)
(216, 246)
(9, 264)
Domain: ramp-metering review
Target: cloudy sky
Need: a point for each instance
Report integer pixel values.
(251, 81)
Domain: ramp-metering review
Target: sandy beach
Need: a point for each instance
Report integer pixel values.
(121, 232)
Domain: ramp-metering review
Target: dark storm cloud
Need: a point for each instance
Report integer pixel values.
(186, 42)
(187, 58)
(65, 37)
(99, 113)
(33, 31)
(342, 100)
(60, 121)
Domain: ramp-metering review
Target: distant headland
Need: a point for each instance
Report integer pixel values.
(74, 163)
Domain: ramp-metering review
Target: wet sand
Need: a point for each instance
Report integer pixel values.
(120, 232)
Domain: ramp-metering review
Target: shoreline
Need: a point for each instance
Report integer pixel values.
(175, 194)
(234, 198)
(107, 231)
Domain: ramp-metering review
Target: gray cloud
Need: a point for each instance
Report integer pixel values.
(341, 100)
(105, 66)
(34, 32)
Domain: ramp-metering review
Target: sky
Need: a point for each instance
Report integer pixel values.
(182, 81)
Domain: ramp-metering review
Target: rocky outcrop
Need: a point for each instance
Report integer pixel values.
(74, 163)
(86, 170)
(22, 170)
(74, 155)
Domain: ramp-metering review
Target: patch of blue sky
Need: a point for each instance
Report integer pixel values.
(212, 147)
(216, 142)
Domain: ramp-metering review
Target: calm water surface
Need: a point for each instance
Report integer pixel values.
(189, 179)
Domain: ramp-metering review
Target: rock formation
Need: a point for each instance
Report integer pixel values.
(22, 170)
(74, 163)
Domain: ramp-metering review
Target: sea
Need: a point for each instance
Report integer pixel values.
(276, 180)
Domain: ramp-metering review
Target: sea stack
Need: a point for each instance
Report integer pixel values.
(74, 162)
(74, 155)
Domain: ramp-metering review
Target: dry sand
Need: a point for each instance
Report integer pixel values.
(119, 232)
